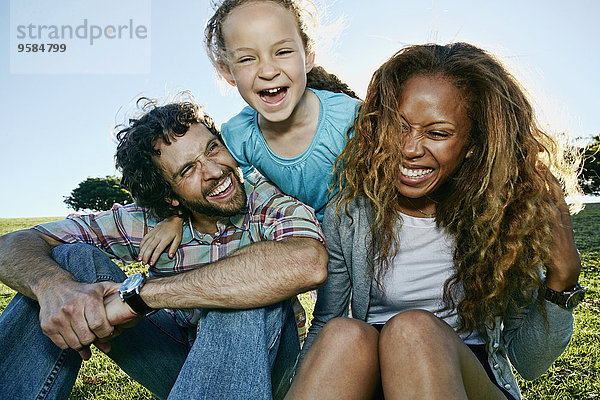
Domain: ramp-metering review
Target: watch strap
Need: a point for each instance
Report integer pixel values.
(567, 299)
(138, 305)
(131, 295)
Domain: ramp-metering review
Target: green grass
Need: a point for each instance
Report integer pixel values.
(14, 224)
(575, 375)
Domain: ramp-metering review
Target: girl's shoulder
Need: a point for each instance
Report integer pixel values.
(338, 111)
(241, 124)
(337, 102)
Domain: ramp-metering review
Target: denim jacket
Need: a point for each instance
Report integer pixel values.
(521, 337)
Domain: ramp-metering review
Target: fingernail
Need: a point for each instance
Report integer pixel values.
(171, 255)
(150, 263)
(139, 258)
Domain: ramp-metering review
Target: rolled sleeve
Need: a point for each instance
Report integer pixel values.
(294, 220)
(535, 342)
(117, 232)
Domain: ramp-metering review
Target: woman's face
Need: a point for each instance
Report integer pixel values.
(435, 134)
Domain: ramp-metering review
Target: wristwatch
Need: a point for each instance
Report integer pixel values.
(567, 299)
(130, 294)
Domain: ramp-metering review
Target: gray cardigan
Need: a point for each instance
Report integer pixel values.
(522, 337)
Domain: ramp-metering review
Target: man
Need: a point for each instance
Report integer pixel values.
(228, 331)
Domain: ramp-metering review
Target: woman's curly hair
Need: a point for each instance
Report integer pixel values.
(496, 206)
(137, 156)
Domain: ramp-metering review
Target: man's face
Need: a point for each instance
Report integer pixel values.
(202, 173)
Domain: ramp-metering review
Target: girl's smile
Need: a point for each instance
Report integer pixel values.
(267, 60)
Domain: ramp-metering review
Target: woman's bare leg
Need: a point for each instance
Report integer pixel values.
(421, 357)
(342, 363)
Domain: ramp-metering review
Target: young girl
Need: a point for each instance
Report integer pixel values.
(291, 134)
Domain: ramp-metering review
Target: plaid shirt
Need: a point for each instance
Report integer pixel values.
(269, 215)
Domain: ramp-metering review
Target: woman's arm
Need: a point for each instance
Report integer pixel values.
(534, 343)
(333, 297)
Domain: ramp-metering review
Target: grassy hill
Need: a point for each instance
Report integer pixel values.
(575, 375)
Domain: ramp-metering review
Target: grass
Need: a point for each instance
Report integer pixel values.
(575, 375)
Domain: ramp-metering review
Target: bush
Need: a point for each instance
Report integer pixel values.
(98, 194)
(590, 177)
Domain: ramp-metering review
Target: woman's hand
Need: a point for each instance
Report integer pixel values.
(168, 231)
(566, 266)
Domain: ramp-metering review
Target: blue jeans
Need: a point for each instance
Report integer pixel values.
(237, 354)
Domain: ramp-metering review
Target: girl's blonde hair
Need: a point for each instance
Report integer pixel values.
(213, 33)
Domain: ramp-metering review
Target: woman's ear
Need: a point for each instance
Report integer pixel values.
(470, 152)
(225, 72)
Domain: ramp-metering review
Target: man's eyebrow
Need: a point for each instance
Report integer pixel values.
(180, 170)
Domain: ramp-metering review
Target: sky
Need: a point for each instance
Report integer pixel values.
(58, 108)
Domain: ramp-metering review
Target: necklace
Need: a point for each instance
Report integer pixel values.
(427, 215)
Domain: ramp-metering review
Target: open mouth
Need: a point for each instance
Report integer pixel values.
(274, 95)
(223, 189)
(413, 176)
(416, 173)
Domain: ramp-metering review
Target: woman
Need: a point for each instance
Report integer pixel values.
(446, 212)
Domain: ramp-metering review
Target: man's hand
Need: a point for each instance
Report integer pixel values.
(119, 313)
(73, 315)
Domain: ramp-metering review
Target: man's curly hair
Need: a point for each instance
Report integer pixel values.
(136, 152)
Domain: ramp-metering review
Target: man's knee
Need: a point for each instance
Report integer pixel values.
(87, 263)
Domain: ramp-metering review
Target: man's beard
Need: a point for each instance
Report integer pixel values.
(234, 206)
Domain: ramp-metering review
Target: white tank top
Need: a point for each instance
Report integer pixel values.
(417, 275)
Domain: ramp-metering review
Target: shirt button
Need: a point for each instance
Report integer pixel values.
(496, 345)
(496, 366)
(506, 386)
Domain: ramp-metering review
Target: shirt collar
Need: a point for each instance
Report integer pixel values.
(240, 221)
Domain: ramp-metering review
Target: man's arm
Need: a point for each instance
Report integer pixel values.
(72, 314)
(257, 275)
(25, 262)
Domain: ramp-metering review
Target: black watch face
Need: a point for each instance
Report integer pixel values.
(575, 299)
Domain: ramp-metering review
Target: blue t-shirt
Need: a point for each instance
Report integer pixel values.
(308, 176)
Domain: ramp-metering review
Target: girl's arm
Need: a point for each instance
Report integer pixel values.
(167, 233)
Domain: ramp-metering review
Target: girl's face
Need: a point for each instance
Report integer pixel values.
(267, 60)
(435, 134)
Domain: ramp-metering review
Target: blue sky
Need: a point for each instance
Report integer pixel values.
(56, 124)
